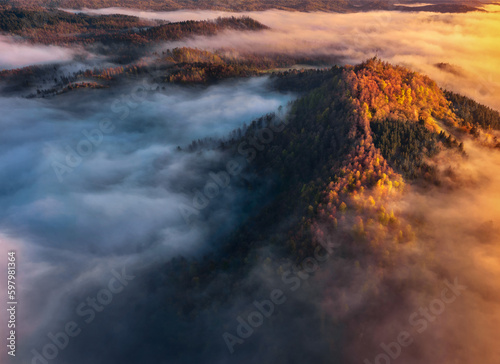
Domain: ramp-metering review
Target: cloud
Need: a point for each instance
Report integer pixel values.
(459, 238)
(171, 16)
(119, 206)
(16, 54)
(458, 228)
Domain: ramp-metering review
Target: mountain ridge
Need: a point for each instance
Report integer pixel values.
(332, 190)
(357, 139)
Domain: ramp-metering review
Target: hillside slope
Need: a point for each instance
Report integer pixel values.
(357, 142)
(354, 143)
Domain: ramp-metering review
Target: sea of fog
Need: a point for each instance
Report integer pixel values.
(92, 181)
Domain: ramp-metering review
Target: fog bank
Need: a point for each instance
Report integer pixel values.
(74, 217)
(16, 54)
(468, 42)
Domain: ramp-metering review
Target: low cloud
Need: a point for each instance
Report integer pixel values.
(458, 229)
(119, 206)
(16, 54)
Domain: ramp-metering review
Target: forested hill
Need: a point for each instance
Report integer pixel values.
(351, 146)
(331, 167)
(59, 27)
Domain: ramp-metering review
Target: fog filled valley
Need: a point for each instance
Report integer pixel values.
(266, 186)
